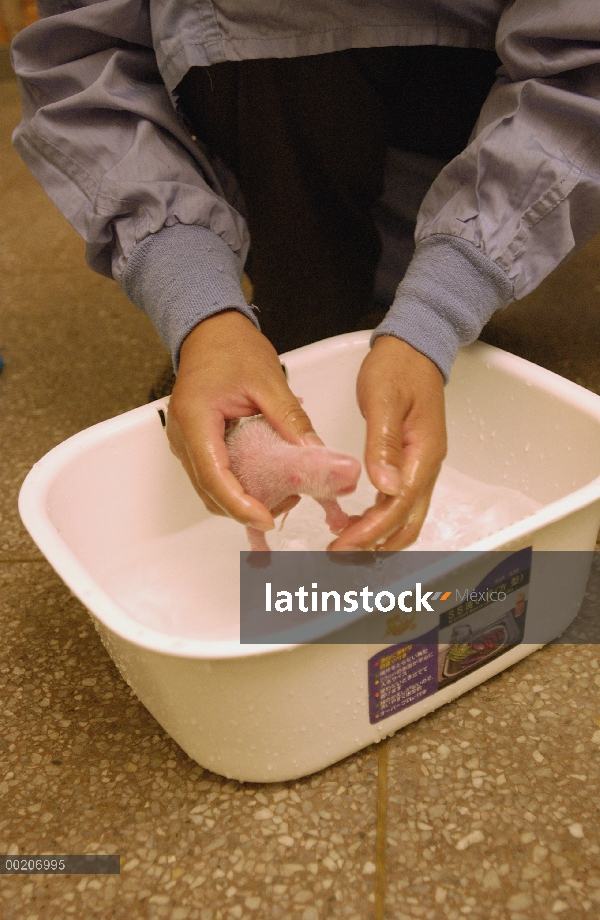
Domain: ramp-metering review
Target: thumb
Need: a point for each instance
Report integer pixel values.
(384, 406)
(384, 454)
(285, 414)
(400, 394)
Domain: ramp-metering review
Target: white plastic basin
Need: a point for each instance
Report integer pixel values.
(114, 513)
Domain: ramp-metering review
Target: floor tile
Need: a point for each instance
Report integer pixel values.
(492, 800)
(76, 351)
(85, 768)
(558, 325)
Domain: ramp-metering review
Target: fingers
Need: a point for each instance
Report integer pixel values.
(229, 370)
(392, 523)
(400, 394)
(414, 521)
(204, 456)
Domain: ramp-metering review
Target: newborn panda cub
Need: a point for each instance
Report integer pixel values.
(271, 470)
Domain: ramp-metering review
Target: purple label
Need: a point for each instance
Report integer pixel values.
(403, 674)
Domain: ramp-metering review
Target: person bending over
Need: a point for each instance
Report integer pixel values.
(176, 137)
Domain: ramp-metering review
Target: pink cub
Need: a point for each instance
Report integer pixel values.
(270, 469)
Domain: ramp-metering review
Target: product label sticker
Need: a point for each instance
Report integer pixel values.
(401, 675)
(487, 621)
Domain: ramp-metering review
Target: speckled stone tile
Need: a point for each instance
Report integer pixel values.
(494, 800)
(75, 351)
(86, 769)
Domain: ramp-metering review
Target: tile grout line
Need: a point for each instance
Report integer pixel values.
(380, 845)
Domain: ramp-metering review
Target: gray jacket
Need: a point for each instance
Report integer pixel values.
(100, 133)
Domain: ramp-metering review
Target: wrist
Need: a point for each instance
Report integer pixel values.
(218, 326)
(181, 276)
(449, 292)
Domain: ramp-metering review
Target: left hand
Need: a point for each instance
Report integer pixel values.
(401, 396)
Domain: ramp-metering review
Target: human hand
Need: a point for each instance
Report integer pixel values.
(401, 395)
(229, 370)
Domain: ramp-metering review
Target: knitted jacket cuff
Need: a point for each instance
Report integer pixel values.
(180, 276)
(449, 292)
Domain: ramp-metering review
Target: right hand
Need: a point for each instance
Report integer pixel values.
(228, 370)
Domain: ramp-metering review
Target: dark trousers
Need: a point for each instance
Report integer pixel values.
(306, 139)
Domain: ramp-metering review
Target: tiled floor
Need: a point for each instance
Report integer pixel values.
(492, 801)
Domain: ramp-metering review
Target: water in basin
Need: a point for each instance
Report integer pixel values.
(187, 583)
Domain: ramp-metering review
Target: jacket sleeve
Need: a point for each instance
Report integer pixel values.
(523, 195)
(101, 135)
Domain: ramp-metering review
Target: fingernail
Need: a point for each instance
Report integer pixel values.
(260, 525)
(311, 438)
(388, 479)
(412, 473)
